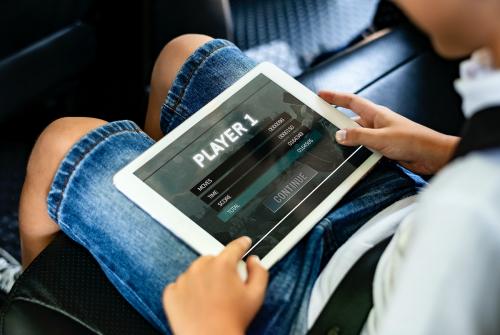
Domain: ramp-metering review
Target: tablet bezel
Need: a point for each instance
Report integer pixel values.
(186, 229)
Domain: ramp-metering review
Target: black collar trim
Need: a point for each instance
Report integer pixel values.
(481, 132)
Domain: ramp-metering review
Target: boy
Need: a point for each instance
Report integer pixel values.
(437, 276)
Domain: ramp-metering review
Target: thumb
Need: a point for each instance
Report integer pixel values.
(359, 136)
(257, 279)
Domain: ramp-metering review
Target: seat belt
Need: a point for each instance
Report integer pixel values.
(346, 311)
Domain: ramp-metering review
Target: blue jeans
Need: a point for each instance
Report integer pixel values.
(140, 257)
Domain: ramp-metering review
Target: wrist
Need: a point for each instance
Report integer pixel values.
(450, 144)
(433, 151)
(447, 145)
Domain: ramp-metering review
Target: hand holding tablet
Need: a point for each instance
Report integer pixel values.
(260, 160)
(213, 290)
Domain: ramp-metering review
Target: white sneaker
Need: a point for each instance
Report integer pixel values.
(10, 269)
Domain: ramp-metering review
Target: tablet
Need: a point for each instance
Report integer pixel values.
(259, 160)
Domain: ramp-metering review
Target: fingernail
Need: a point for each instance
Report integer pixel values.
(340, 135)
(247, 239)
(256, 259)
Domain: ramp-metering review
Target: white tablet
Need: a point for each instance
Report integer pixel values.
(259, 160)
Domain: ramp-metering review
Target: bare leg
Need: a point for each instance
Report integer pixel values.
(36, 227)
(169, 62)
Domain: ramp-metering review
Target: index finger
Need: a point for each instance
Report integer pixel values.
(363, 107)
(235, 250)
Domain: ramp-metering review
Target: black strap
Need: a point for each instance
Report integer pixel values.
(347, 309)
(481, 131)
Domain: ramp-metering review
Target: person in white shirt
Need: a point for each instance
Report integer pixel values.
(438, 274)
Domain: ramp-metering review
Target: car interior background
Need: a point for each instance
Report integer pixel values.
(94, 58)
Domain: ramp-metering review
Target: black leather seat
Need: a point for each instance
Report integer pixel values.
(36, 39)
(64, 291)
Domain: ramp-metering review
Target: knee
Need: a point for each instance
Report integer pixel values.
(53, 144)
(182, 47)
(173, 56)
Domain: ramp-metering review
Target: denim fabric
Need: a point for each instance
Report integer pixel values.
(140, 257)
(207, 72)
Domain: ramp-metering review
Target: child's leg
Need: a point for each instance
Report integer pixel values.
(168, 63)
(36, 227)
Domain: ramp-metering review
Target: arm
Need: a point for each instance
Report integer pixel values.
(211, 298)
(414, 146)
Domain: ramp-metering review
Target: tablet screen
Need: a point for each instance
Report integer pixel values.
(255, 166)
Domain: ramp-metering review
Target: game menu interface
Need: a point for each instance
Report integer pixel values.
(256, 166)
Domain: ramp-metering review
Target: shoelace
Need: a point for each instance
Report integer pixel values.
(8, 274)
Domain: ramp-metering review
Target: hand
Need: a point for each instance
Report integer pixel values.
(414, 146)
(211, 298)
